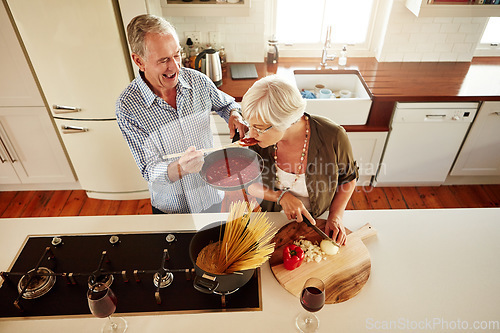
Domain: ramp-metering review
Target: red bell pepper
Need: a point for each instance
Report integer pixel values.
(292, 256)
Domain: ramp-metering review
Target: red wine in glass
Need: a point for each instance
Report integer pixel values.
(312, 299)
(102, 303)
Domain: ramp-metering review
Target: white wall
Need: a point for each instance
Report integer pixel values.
(410, 38)
(244, 38)
(399, 34)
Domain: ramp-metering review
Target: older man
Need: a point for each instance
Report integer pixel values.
(166, 110)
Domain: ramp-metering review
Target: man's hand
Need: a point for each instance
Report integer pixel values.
(236, 123)
(192, 161)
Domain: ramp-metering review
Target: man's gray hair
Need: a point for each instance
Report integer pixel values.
(274, 100)
(141, 25)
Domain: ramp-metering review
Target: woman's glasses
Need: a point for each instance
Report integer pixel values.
(259, 131)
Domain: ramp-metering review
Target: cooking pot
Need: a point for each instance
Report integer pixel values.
(213, 67)
(232, 154)
(209, 283)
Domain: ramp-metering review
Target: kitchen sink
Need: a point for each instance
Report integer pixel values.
(353, 110)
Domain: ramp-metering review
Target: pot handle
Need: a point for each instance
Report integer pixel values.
(205, 285)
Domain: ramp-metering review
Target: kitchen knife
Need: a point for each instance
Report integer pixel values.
(318, 231)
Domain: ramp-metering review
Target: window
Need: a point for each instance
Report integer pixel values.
(301, 25)
(490, 41)
(491, 35)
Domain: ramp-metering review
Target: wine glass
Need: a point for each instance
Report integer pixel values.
(102, 303)
(312, 299)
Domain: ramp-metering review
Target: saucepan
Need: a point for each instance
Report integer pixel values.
(232, 169)
(207, 282)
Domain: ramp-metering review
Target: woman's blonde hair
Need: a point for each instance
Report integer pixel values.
(141, 25)
(275, 101)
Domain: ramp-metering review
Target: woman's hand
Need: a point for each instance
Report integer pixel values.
(335, 229)
(294, 208)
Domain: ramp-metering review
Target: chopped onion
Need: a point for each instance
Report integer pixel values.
(329, 247)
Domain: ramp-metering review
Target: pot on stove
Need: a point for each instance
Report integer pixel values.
(207, 282)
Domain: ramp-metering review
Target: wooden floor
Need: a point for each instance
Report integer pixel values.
(76, 203)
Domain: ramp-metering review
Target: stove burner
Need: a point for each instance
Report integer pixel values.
(40, 284)
(106, 279)
(163, 282)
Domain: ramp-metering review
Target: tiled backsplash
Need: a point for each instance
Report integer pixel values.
(411, 38)
(405, 37)
(243, 37)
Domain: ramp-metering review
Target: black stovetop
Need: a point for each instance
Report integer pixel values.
(81, 255)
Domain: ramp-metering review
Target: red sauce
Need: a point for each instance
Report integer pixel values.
(218, 173)
(248, 142)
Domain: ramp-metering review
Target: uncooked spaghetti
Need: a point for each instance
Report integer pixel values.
(246, 243)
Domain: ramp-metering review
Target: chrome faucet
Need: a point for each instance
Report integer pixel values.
(324, 54)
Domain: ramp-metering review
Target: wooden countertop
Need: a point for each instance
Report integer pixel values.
(389, 82)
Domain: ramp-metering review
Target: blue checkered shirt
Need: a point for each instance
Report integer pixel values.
(153, 128)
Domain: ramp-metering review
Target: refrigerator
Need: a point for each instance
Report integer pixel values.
(79, 56)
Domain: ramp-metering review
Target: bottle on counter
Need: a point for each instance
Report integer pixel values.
(343, 56)
(272, 51)
(222, 56)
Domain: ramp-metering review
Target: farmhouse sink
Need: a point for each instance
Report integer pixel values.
(344, 111)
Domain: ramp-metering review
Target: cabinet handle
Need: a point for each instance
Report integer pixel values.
(435, 116)
(73, 129)
(7, 146)
(2, 152)
(496, 113)
(65, 109)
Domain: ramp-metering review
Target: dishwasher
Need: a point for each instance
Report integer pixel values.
(423, 142)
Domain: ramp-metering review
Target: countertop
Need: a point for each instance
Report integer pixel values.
(389, 82)
(432, 270)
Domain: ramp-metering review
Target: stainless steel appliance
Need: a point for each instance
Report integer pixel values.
(150, 272)
(423, 142)
(212, 67)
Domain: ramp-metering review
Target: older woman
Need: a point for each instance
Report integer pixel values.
(309, 167)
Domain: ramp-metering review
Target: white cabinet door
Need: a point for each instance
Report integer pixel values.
(7, 173)
(367, 149)
(220, 130)
(17, 86)
(77, 53)
(32, 146)
(102, 159)
(480, 154)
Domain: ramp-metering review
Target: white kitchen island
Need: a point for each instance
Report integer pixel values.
(432, 270)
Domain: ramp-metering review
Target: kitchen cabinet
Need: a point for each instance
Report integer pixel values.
(480, 153)
(31, 155)
(30, 150)
(424, 8)
(220, 130)
(367, 149)
(17, 86)
(205, 8)
(93, 147)
(78, 52)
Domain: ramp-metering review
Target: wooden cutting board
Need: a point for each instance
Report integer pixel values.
(344, 274)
